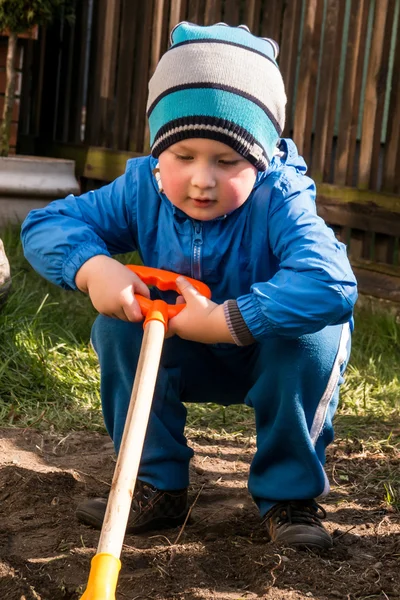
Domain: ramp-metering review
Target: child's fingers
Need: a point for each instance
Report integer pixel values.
(141, 288)
(186, 288)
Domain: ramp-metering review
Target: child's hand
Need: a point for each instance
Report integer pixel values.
(201, 320)
(112, 288)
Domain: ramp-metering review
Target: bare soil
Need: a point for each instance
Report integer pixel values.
(222, 554)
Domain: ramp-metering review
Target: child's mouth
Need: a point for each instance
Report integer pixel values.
(202, 201)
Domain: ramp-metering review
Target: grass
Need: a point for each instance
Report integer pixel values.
(49, 373)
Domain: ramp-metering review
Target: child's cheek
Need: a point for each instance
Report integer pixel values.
(238, 193)
(173, 185)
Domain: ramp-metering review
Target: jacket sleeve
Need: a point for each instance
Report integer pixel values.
(59, 238)
(314, 286)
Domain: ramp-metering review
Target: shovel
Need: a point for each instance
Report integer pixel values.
(106, 564)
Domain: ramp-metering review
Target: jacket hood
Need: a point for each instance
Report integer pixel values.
(286, 155)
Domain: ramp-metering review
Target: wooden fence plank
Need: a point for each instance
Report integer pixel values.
(93, 99)
(177, 13)
(329, 54)
(51, 76)
(371, 93)
(272, 19)
(334, 93)
(123, 94)
(231, 12)
(368, 245)
(108, 72)
(212, 12)
(26, 96)
(138, 122)
(288, 54)
(305, 85)
(68, 43)
(396, 188)
(381, 85)
(392, 146)
(366, 217)
(195, 11)
(79, 69)
(356, 244)
(102, 71)
(378, 285)
(252, 16)
(353, 59)
(157, 33)
(352, 164)
(384, 248)
(312, 88)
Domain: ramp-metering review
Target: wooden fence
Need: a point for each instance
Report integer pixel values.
(85, 90)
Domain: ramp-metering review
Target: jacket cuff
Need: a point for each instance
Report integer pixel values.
(77, 258)
(259, 325)
(236, 324)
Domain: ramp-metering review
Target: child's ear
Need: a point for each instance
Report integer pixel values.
(156, 173)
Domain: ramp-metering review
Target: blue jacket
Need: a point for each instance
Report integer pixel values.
(284, 266)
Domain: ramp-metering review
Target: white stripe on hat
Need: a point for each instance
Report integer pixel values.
(223, 64)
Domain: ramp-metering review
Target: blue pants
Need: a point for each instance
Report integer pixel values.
(292, 385)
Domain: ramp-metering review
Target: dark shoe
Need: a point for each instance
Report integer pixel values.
(298, 523)
(151, 509)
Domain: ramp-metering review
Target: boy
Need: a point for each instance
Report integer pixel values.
(222, 199)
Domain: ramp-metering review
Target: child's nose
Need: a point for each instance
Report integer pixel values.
(203, 178)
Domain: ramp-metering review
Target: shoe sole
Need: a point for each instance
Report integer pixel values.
(303, 544)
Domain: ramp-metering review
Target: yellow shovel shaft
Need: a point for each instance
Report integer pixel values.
(103, 578)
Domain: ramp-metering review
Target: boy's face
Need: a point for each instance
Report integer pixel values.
(205, 178)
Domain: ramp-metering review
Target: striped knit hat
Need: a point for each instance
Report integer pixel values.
(218, 82)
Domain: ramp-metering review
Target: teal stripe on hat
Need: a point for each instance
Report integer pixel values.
(211, 102)
(187, 32)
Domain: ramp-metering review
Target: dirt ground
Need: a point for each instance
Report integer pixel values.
(223, 554)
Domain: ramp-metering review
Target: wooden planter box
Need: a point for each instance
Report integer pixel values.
(28, 182)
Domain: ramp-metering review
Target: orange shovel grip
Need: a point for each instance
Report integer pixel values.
(163, 280)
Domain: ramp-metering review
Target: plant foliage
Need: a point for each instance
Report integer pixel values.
(18, 16)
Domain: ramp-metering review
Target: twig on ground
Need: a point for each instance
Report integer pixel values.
(345, 532)
(274, 569)
(37, 420)
(152, 537)
(188, 515)
(107, 483)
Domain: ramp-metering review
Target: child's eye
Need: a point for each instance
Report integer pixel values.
(183, 157)
(229, 162)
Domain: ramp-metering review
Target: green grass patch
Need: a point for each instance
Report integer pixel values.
(49, 373)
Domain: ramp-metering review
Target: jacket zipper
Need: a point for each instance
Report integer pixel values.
(197, 244)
